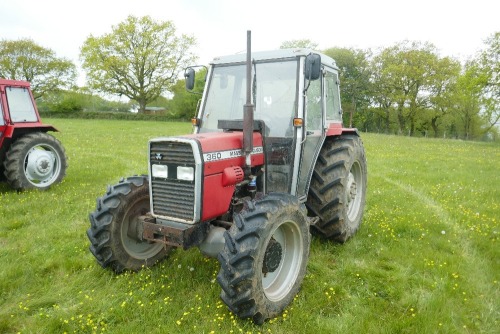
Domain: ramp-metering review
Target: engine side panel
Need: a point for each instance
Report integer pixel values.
(221, 151)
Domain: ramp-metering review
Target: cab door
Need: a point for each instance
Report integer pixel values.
(314, 134)
(322, 108)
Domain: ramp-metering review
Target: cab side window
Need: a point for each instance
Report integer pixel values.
(313, 108)
(333, 111)
(20, 105)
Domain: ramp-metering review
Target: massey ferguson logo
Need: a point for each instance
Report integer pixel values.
(221, 155)
(158, 156)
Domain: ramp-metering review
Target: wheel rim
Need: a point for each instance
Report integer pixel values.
(354, 191)
(130, 238)
(42, 165)
(278, 283)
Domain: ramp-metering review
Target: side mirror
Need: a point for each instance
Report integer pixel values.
(313, 66)
(189, 76)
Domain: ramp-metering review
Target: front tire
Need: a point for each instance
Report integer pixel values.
(338, 188)
(36, 160)
(114, 233)
(265, 257)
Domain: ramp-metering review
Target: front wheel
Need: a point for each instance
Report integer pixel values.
(265, 257)
(36, 160)
(115, 233)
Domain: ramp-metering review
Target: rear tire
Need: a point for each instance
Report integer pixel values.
(338, 188)
(114, 231)
(36, 160)
(265, 257)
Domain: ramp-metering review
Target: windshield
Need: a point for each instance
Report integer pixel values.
(275, 96)
(20, 105)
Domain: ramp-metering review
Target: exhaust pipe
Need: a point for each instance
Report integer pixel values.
(248, 109)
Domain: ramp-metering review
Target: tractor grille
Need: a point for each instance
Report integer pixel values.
(172, 198)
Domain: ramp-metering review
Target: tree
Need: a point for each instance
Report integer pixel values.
(408, 74)
(489, 63)
(468, 96)
(443, 92)
(299, 43)
(25, 60)
(140, 59)
(355, 73)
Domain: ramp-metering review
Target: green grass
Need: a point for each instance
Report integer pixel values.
(426, 259)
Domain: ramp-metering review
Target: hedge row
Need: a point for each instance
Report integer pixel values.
(108, 115)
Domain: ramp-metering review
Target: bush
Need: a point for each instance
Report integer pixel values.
(107, 115)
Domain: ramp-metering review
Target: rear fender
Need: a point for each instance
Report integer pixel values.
(336, 129)
(19, 130)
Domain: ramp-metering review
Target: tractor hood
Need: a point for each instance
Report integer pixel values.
(189, 170)
(224, 149)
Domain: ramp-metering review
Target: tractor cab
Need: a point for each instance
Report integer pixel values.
(295, 93)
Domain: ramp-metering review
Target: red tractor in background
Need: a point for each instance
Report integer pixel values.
(29, 156)
(248, 186)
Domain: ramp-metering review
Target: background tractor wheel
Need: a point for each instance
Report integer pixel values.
(114, 234)
(265, 257)
(36, 160)
(338, 188)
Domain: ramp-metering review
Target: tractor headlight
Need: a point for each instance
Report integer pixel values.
(159, 171)
(185, 173)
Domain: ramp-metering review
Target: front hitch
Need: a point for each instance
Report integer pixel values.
(172, 233)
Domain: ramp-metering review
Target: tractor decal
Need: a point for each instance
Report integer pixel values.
(222, 155)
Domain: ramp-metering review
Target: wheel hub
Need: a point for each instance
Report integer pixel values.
(351, 188)
(272, 257)
(40, 164)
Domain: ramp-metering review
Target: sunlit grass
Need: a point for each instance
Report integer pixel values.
(426, 259)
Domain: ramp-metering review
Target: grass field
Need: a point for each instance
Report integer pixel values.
(426, 259)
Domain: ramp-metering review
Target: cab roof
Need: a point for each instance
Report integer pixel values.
(273, 54)
(8, 82)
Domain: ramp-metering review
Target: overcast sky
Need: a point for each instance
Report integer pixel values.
(457, 28)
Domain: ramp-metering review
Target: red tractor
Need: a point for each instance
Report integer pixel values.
(250, 183)
(29, 157)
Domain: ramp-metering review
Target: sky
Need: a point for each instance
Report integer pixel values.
(457, 28)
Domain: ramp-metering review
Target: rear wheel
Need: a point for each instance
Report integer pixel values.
(338, 188)
(265, 257)
(115, 232)
(36, 160)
